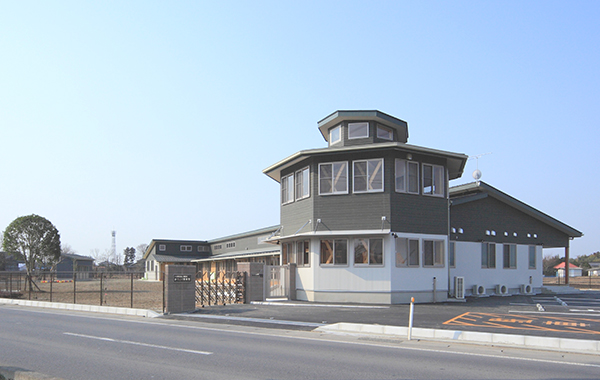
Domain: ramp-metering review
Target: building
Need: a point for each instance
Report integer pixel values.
(372, 219)
(70, 263)
(574, 270)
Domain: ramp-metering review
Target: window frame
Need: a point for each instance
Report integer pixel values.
(287, 189)
(436, 191)
(435, 243)
(301, 181)
(185, 248)
(288, 253)
(337, 129)
(334, 254)
(489, 264)
(333, 191)
(303, 254)
(369, 254)
(452, 254)
(408, 178)
(533, 256)
(361, 124)
(368, 175)
(162, 247)
(407, 244)
(509, 251)
(389, 132)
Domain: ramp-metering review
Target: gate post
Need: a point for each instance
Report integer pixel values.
(292, 282)
(180, 288)
(254, 280)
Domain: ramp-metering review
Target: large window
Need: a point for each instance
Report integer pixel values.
(358, 130)
(433, 253)
(407, 176)
(368, 251)
(368, 176)
(303, 252)
(407, 252)
(333, 178)
(302, 184)
(532, 257)
(287, 189)
(287, 253)
(452, 254)
(335, 135)
(334, 252)
(433, 180)
(510, 256)
(488, 255)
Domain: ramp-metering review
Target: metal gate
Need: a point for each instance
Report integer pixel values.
(277, 281)
(220, 288)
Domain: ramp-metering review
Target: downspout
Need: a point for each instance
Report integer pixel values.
(448, 243)
(567, 264)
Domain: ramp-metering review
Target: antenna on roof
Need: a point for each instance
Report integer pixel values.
(477, 173)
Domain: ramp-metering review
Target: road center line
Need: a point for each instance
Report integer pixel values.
(138, 343)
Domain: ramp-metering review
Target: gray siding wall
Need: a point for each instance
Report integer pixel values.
(490, 214)
(403, 212)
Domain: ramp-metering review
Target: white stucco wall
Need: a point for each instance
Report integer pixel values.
(468, 265)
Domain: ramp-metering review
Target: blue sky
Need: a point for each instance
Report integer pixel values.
(156, 119)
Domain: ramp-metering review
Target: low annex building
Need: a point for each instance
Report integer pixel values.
(373, 219)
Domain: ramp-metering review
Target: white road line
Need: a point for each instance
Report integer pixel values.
(138, 343)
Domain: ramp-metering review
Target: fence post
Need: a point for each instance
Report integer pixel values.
(132, 290)
(74, 287)
(51, 281)
(101, 289)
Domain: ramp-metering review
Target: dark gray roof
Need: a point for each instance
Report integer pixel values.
(456, 161)
(473, 191)
(73, 256)
(242, 254)
(173, 258)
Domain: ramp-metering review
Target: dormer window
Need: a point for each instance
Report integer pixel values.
(335, 135)
(358, 130)
(385, 133)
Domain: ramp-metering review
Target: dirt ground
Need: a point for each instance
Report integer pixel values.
(114, 292)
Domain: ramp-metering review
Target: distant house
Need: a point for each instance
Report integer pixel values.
(574, 270)
(70, 263)
(594, 270)
(9, 262)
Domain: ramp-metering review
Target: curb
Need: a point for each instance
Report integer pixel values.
(79, 307)
(524, 341)
(14, 373)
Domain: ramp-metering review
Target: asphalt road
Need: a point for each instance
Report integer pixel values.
(75, 345)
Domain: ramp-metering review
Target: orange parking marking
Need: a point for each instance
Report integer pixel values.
(518, 322)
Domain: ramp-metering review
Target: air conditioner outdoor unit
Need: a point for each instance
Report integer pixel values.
(478, 290)
(501, 289)
(459, 288)
(526, 289)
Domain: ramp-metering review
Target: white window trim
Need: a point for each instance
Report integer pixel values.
(434, 241)
(302, 172)
(360, 124)
(162, 247)
(368, 263)
(333, 191)
(407, 164)
(368, 175)
(331, 141)
(285, 184)
(185, 248)
(334, 264)
(442, 185)
(386, 129)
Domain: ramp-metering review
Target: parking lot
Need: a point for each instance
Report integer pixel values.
(565, 316)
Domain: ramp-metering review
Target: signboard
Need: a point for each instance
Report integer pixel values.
(182, 278)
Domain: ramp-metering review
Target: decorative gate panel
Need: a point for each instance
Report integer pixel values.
(220, 288)
(277, 283)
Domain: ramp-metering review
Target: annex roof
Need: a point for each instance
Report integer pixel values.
(473, 191)
(241, 254)
(562, 265)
